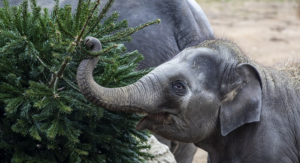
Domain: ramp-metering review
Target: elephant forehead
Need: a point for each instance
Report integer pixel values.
(174, 65)
(172, 69)
(188, 60)
(191, 54)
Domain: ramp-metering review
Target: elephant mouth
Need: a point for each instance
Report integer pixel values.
(152, 119)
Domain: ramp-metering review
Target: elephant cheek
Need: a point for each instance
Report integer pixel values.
(172, 129)
(152, 121)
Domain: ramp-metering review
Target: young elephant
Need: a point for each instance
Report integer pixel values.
(213, 96)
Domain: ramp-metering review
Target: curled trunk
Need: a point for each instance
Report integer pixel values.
(116, 99)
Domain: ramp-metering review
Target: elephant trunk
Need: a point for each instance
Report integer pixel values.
(128, 98)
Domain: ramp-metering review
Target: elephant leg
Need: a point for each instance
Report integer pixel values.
(183, 152)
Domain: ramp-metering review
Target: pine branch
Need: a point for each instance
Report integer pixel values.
(63, 27)
(33, 132)
(9, 34)
(109, 26)
(58, 36)
(63, 67)
(78, 13)
(43, 20)
(113, 27)
(42, 62)
(59, 74)
(98, 34)
(127, 32)
(86, 22)
(10, 48)
(101, 15)
(36, 12)
(7, 15)
(71, 47)
(24, 8)
(17, 19)
(70, 84)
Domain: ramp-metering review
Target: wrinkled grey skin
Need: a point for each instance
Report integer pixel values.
(215, 97)
(183, 24)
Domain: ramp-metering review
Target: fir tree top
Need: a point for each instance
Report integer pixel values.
(44, 117)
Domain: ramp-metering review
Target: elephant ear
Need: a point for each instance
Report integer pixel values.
(243, 102)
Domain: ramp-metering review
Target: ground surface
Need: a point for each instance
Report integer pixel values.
(267, 31)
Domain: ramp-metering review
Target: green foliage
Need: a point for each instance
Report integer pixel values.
(43, 116)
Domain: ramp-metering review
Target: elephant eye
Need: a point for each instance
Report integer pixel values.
(179, 88)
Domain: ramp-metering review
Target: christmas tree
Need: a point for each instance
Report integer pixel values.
(43, 116)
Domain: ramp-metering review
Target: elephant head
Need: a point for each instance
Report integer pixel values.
(202, 90)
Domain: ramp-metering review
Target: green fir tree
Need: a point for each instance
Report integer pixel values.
(43, 116)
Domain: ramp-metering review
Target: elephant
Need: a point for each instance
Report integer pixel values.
(183, 24)
(214, 96)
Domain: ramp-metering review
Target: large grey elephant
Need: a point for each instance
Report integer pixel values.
(214, 96)
(183, 24)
